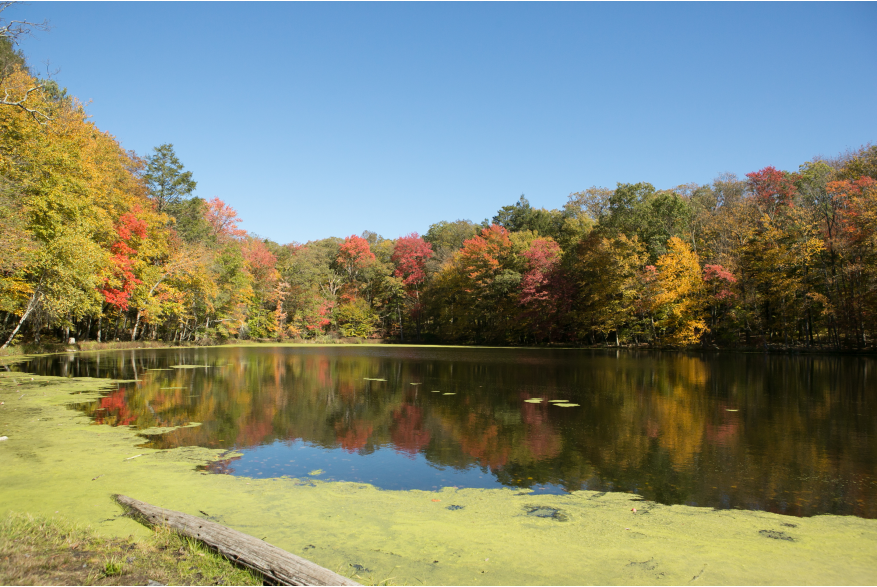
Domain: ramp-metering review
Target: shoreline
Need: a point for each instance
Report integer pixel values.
(29, 351)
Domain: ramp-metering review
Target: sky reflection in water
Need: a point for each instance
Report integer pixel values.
(790, 434)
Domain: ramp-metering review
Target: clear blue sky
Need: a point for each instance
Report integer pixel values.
(327, 119)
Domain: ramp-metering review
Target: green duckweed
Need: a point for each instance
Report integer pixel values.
(491, 538)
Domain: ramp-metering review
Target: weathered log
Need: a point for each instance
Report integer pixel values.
(277, 565)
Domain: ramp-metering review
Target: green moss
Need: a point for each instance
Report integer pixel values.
(57, 461)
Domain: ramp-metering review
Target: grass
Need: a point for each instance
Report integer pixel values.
(53, 551)
(113, 567)
(52, 347)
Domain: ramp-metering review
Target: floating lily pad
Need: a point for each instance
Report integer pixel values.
(165, 429)
(373, 379)
(155, 430)
(567, 405)
(534, 400)
(558, 401)
(436, 391)
(415, 384)
(188, 366)
(449, 393)
(316, 472)
(727, 410)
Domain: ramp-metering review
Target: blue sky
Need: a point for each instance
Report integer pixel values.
(327, 119)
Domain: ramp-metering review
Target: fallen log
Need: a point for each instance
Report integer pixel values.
(276, 565)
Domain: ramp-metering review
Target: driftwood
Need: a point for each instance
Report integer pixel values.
(277, 565)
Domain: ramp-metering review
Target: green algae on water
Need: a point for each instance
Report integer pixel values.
(74, 470)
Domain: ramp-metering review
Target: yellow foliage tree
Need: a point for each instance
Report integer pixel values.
(71, 183)
(680, 295)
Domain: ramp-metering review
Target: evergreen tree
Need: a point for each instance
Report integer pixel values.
(10, 58)
(167, 181)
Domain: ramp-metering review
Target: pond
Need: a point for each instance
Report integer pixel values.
(795, 435)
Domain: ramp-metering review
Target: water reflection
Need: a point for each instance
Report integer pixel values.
(793, 435)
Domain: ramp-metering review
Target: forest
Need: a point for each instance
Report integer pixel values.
(103, 244)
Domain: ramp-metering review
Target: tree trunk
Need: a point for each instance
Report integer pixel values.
(401, 332)
(276, 565)
(31, 305)
(136, 325)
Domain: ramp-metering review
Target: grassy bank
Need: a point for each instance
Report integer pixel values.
(54, 551)
(30, 349)
(25, 350)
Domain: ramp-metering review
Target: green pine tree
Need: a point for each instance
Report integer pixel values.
(168, 183)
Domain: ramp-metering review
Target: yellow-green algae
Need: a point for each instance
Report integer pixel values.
(56, 461)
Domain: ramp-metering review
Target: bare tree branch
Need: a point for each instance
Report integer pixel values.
(15, 29)
(37, 115)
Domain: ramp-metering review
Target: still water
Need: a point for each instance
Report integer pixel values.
(795, 435)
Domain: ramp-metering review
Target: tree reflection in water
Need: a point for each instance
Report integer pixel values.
(789, 434)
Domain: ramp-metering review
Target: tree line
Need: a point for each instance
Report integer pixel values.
(102, 244)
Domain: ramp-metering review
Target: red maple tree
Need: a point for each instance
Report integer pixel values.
(410, 256)
(773, 189)
(354, 256)
(118, 288)
(223, 220)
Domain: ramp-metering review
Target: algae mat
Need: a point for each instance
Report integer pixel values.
(55, 460)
